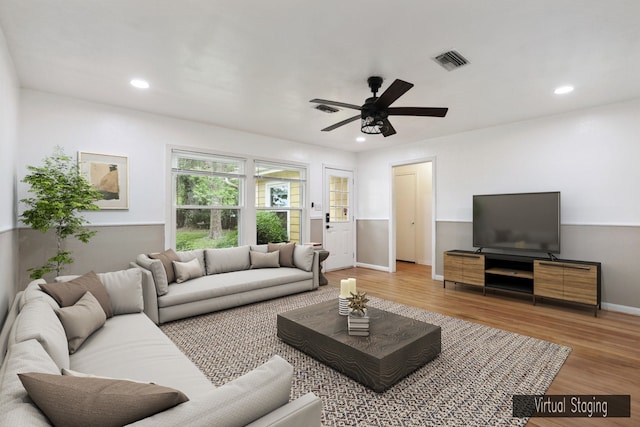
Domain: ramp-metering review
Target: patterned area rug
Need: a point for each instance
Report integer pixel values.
(471, 383)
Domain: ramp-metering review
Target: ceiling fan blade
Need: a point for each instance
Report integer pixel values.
(417, 111)
(342, 123)
(393, 92)
(335, 103)
(388, 129)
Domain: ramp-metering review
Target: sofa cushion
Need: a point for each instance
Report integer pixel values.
(303, 257)
(68, 293)
(224, 260)
(259, 248)
(237, 403)
(198, 254)
(262, 260)
(236, 282)
(157, 271)
(81, 320)
(33, 291)
(68, 400)
(286, 252)
(131, 346)
(167, 258)
(187, 270)
(15, 406)
(38, 321)
(124, 288)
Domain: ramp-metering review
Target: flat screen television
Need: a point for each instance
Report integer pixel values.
(522, 222)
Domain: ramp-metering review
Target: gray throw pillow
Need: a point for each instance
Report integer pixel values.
(303, 257)
(167, 258)
(81, 320)
(224, 260)
(265, 260)
(77, 401)
(187, 270)
(68, 293)
(125, 290)
(286, 252)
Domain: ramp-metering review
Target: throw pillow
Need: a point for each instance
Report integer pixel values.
(68, 293)
(72, 373)
(265, 260)
(286, 252)
(125, 290)
(81, 320)
(157, 271)
(303, 257)
(187, 270)
(167, 258)
(68, 400)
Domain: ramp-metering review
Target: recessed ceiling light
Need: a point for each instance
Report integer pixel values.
(563, 90)
(361, 139)
(139, 83)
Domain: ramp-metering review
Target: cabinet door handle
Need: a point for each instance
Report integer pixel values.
(560, 265)
(578, 267)
(552, 264)
(464, 255)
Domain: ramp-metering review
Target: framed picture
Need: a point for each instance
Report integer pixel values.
(109, 175)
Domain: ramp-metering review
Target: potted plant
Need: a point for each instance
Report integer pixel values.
(59, 194)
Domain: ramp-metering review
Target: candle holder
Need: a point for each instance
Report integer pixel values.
(343, 306)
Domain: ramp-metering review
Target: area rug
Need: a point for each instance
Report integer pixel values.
(471, 383)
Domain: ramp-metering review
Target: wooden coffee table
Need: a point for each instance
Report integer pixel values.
(396, 346)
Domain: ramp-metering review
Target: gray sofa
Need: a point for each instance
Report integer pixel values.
(130, 346)
(227, 277)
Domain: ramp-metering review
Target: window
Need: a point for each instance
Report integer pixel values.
(280, 192)
(339, 199)
(207, 199)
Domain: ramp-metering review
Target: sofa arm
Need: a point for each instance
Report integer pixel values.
(237, 403)
(304, 411)
(149, 294)
(316, 270)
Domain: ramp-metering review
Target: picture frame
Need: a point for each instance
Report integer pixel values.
(108, 174)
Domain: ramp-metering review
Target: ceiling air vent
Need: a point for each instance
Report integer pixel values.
(451, 60)
(326, 108)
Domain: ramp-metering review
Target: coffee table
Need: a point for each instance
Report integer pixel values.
(396, 346)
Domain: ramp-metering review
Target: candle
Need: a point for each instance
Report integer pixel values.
(352, 285)
(344, 288)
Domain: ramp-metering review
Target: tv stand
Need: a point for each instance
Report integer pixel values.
(571, 281)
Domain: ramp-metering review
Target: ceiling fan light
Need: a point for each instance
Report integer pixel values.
(372, 126)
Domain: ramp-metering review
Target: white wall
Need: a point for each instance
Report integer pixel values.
(8, 136)
(589, 155)
(48, 120)
(8, 141)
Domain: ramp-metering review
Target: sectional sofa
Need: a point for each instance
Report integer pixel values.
(189, 283)
(85, 352)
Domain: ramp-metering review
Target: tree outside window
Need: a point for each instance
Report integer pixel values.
(207, 195)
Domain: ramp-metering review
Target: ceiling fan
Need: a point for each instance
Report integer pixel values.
(375, 111)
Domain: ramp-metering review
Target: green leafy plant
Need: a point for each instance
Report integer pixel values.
(269, 228)
(60, 193)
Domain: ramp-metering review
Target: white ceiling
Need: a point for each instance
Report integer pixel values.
(254, 65)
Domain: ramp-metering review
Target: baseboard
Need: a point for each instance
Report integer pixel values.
(372, 266)
(621, 308)
(439, 277)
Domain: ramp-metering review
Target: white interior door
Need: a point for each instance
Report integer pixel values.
(405, 193)
(339, 219)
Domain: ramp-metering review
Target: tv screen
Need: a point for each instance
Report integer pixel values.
(524, 221)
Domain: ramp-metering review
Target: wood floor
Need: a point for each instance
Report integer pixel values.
(606, 349)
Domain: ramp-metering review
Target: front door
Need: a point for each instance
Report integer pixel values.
(339, 219)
